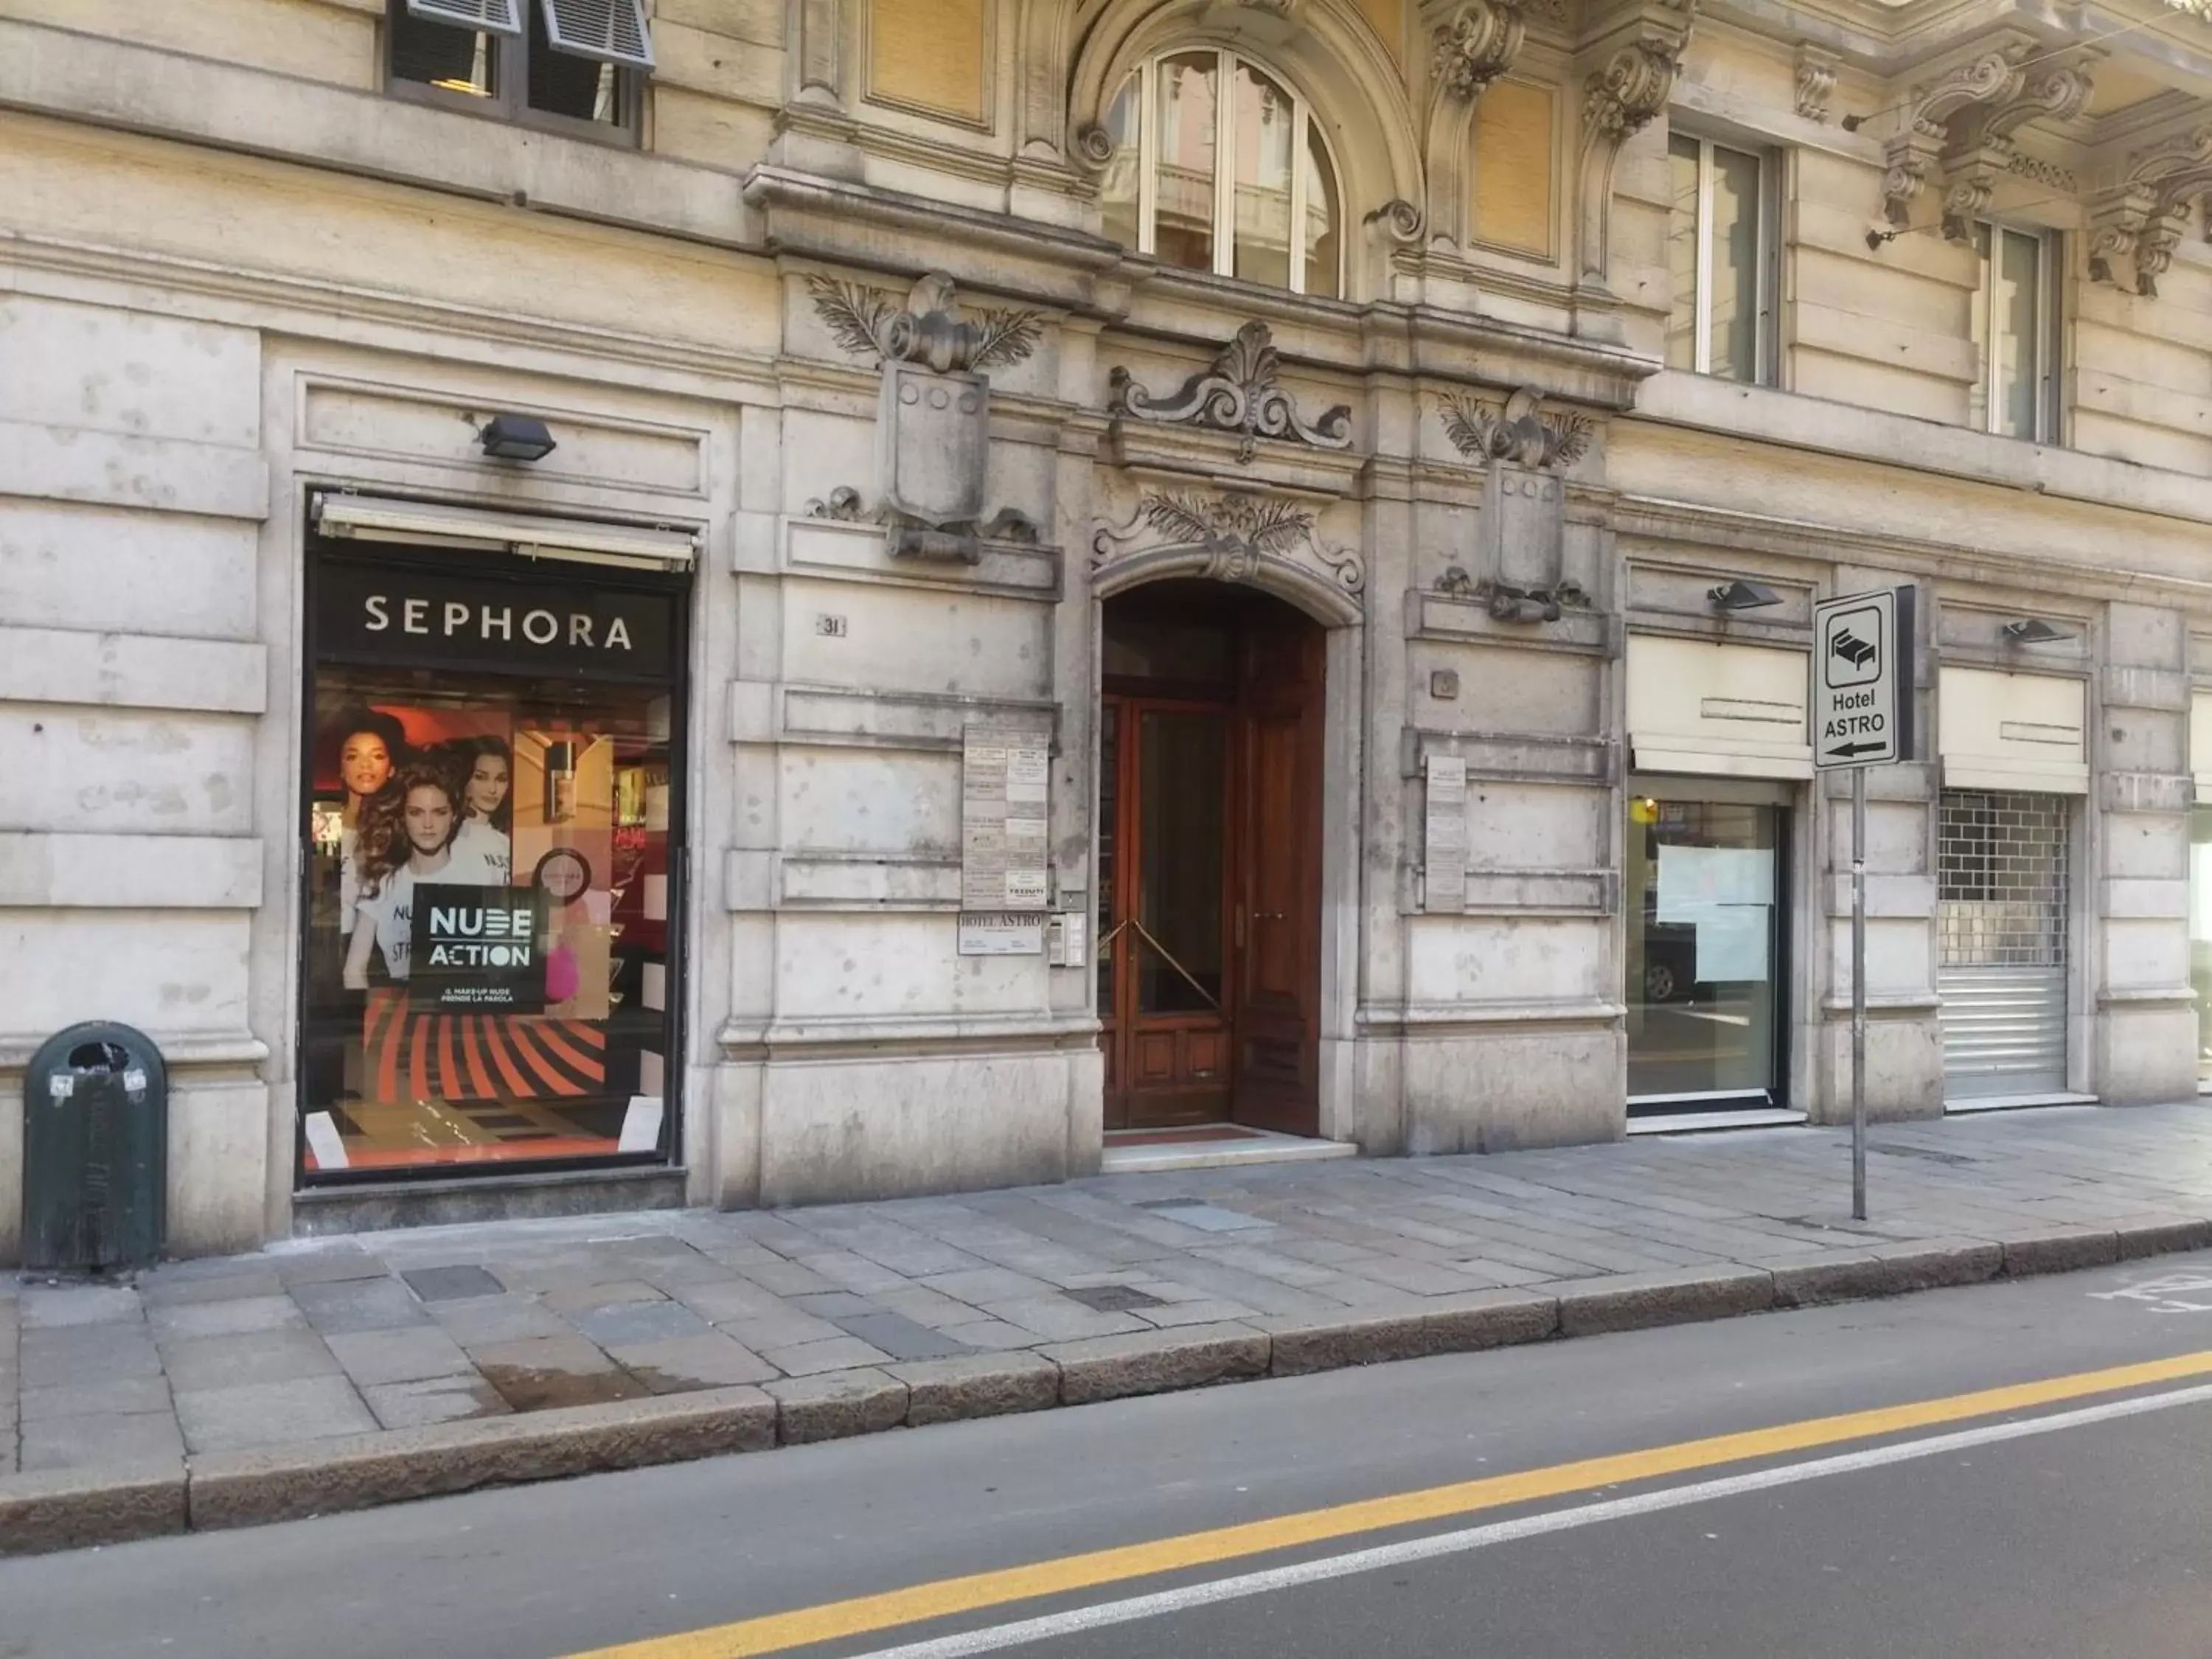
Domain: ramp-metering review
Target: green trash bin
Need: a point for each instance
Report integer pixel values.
(95, 1148)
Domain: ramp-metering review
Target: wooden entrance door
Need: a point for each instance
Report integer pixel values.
(1209, 861)
(1276, 1006)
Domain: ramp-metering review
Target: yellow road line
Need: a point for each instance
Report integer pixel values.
(833, 1620)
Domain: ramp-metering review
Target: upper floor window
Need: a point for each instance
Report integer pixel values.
(574, 63)
(2014, 328)
(1720, 248)
(1218, 166)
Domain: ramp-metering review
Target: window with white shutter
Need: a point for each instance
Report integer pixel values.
(611, 31)
(571, 65)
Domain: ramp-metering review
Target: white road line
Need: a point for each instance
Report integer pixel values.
(1105, 1615)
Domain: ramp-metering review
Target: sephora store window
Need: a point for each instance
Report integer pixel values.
(494, 783)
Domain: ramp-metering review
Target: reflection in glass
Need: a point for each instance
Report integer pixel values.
(1977, 331)
(2019, 364)
(1683, 232)
(1704, 948)
(1734, 302)
(1183, 757)
(2004, 323)
(2200, 934)
(441, 55)
(1266, 151)
(1182, 214)
(1118, 186)
(1324, 260)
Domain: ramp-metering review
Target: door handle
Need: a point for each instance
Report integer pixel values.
(1268, 916)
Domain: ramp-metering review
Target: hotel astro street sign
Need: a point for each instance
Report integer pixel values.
(1863, 679)
(1861, 717)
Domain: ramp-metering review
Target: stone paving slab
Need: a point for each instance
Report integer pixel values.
(432, 1360)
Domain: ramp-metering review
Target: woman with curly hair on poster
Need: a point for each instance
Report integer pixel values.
(371, 746)
(406, 839)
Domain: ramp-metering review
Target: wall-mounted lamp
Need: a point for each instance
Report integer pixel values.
(1740, 595)
(515, 438)
(2035, 630)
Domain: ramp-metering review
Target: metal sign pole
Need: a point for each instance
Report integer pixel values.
(1861, 716)
(1858, 992)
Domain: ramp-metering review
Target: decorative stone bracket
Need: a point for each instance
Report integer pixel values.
(1478, 44)
(2144, 216)
(1241, 393)
(1472, 46)
(933, 415)
(1619, 101)
(1994, 77)
(1816, 81)
(2056, 93)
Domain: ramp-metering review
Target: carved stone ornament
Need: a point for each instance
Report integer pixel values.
(1624, 97)
(1402, 221)
(1520, 432)
(1237, 531)
(1619, 101)
(1477, 46)
(2136, 219)
(2116, 220)
(1242, 393)
(934, 414)
(1521, 536)
(1816, 81)
(2057, 95)
(1992, 77)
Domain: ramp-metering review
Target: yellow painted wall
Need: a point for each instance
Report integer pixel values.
(931, 55)
(1513, 171)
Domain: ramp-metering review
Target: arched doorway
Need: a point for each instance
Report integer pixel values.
(1210, 857)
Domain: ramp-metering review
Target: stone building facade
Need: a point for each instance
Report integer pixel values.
(1181, 567)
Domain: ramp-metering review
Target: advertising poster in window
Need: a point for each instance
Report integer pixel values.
(490, 778)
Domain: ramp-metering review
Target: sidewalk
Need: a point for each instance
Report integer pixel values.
(334, 1374)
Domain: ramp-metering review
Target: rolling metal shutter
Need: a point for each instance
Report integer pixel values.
(2002, 904)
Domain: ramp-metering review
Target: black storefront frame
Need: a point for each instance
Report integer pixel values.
(493, 564)
(1783, 799)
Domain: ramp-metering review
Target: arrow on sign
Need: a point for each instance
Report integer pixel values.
(1857, 748)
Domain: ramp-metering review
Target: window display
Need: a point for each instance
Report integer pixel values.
(1704, 969)
(491, 794)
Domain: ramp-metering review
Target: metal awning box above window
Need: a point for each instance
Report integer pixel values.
(1717, 710)
(2002, 731)
(427, 524)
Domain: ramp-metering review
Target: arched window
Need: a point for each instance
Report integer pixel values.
(1270, 215)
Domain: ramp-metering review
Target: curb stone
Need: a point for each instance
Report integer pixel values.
(69, 1509)
(1483, 1319)
(1157, 1362)
(837, 1404)
(2061, 1252)
(2165, 1238)
(978, 1385)
(1632, 1302)
(356, 1472)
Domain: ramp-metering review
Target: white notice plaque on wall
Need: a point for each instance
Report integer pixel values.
(1444, 836)
(1003, 789)
(1002, 933)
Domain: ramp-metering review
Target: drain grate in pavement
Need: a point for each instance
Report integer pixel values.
(1196, 1213)
(1957, 1160)
(452, 1284)
(1114, 1298)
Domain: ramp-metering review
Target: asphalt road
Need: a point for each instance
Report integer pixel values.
(2077, 1523)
